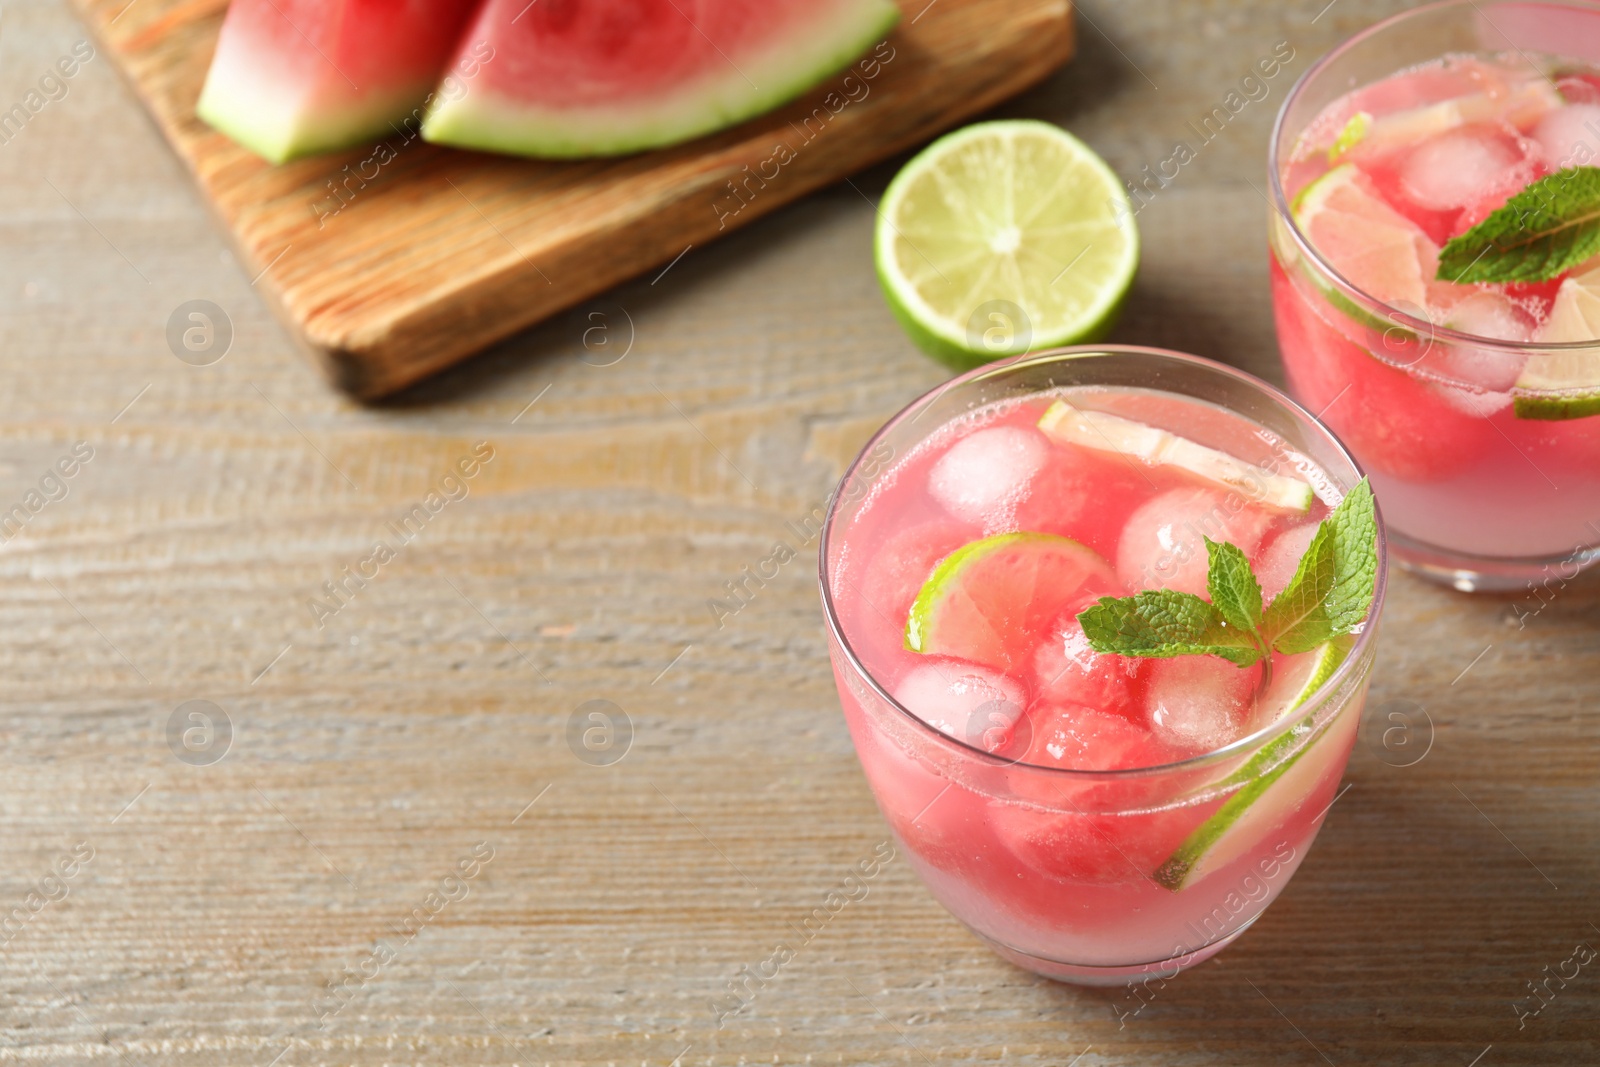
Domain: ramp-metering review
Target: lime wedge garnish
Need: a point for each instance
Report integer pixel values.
(1377, 249)
(1004, 237)
(990, 601)
(1105, 432)
(1565, 385)
(1274, 784)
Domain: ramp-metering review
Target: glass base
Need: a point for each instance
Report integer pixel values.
(1486, 574)
(1079, 974)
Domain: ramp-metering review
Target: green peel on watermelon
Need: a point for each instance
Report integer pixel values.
(293, 78)
(573, 78)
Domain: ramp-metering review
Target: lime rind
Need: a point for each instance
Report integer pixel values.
(1552, 405)
(945, 579)
(923, 631)
(1227, 832)
(978, 166)
(1350, 135)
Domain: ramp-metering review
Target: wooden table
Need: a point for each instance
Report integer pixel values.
(422, 730)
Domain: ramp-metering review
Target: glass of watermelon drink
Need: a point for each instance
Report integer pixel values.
(1094, 817)
(1436, 278)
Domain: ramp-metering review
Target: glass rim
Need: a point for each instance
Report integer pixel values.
(1255, 741)
(1280, 201)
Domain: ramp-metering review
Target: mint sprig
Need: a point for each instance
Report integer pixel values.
(1329, 595)
(1547, 228)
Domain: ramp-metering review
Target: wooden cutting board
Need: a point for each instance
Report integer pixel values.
(417, 256)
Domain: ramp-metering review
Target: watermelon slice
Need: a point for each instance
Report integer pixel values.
(575, 78)
(295, 77)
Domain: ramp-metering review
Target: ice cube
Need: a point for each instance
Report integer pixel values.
(1199, 703)
(1569, 136)
(1478, 379)
(1487, 313)
(1163, 545)
(1460, 166)
(985, 474)
(1281, 558)
(1067, 670)
(965, 701)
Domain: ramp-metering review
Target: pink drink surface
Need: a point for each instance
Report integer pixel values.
(1063, 870)
(1434, 421)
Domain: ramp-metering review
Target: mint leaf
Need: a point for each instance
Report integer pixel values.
(1330, 595)
(1355, 558)
(1548, 227)
(1161, 623)
(1235, 593)
(1297, 619)
(1331, 591)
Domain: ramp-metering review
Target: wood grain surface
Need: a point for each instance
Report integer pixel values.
(369, 756)
(390, 262)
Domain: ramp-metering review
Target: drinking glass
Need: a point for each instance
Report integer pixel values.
(1475, 495)
(947, 799)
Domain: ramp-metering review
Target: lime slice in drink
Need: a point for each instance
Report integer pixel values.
(1375, 248)
(1273, 784)
(1519, 106)
(1105, 432)
(1565, 385)
(1350, 135)
(990, 600)
(1004, 237)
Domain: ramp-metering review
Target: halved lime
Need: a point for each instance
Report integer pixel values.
(990, 600)
(1105, 432)
(1273, 784)
(1565, 385)
(1004, 237)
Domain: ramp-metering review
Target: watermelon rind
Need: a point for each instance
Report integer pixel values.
(278, 127)
(481, 118)
(293, 78)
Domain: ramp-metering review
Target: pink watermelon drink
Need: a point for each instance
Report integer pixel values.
(1096, 815)
(1436, 278)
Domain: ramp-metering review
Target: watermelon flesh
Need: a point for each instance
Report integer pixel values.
(572, 78)
(295, 77)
